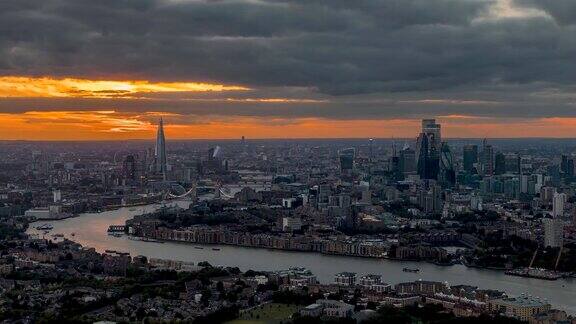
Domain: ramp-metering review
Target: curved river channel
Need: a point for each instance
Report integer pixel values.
(90, 229)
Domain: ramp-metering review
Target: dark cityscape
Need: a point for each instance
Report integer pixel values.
(279, 161)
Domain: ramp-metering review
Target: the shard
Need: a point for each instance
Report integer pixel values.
(160, 151)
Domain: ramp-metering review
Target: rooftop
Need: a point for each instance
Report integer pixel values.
(522, 301)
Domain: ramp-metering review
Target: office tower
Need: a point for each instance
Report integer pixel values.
(554, 227)
(554, 175)
(511, 188)
(394, 163)
(347, 160)
(422, 155)
(525, 184)
(553, 232)
(433, 130)
(160, 151)
(512, 163)
(39, 162)
(567, 166)
(428, 150)
(547, 194)
(470, 157)
(407, 160)
(215, 153)
(430, 198)
(215, 161)
(499, 163)
(129, 168)
(447, 172)
(428, 158)
(538, 182)
(487, 159)
(558, 204)
(371, 150)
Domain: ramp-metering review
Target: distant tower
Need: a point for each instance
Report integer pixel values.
(160, 151)
(347, 160)
(470, 157)
(129, 168)
(447, 172)
(371, 152)
(487, 158)
(428, 147)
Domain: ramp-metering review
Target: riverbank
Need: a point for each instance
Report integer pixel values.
(91, 231)
(221, 243)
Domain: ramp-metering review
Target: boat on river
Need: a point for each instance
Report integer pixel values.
(45, 227)
(411, 270)
(535, 273)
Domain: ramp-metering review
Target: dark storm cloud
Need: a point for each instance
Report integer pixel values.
(511, 105)
(346, 52)
(563, 11)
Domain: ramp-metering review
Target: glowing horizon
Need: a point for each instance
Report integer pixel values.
(114, 125)
(47, 87)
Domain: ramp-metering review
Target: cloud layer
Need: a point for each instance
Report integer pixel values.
(326, 59)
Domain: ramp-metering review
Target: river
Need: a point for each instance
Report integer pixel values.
(90, 229)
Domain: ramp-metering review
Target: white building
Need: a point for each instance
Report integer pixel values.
(329, 308)
(57, 196)
(558, 205)
(288, 202)
(50, 212)
(553, 232)
(475, 202)
(370, 279)
(38, 213)
(345, 279)
(290, 224)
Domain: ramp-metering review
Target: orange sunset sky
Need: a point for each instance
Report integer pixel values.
(107, 121)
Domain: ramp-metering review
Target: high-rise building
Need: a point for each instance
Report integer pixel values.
(554, 227)
(423, 156)
(161, 163)
(499, 163)
(567, 166)
(407, 160)
(553, 232)
(433, 130)
(428, 149)
(370, 150)
(558, 204)
(470, 157)
(129, 168)
(447, 172)
(347, 160)
(526, 186)
(547, 194)
(512, 163)
(430, 198)
(487, 159)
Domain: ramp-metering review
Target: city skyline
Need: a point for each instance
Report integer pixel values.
(288, 161)
(487, 226)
